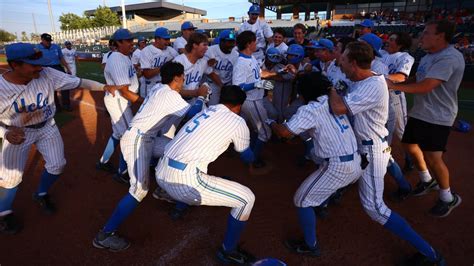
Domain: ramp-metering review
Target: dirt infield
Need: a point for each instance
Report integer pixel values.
(85, 199)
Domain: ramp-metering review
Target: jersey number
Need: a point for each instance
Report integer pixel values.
(196, 122)
(340, 121)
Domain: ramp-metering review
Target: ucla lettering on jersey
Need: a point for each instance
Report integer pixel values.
(131, 71)
(23, 107)
(193, 77)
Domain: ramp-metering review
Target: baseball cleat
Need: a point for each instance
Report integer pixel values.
(9, 224)
(237, 256)
(110, 241)
(161, 194)
(421, 260)
(300, 247)
(401, 195)
(45, 203)
(423, 188)
(122, 178)
(443, 209)
(108, 167)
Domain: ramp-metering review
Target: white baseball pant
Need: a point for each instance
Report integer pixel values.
(120, 113)
(255, 114)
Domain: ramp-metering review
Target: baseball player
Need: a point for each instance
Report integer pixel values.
(262, 31)
(225, 57)
(70, 57)
(119, 70)
(182, 172)
(136, 63)
(334, 142)
(324, 51)
(154, 56)
(187, 29)
(247, 74)
(334, 73)
(399, 65)
(404, 188)
(278, 41)
(113, 48)
(27, 118)
(195, 65)
(367, 101)
(137, 143)
(273, 63)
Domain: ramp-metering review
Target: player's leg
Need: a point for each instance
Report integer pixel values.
(400, 123)
(371, 187)
(50, 145)
(315, 190)
(73, 69)
(137, 153)
(256, 113)
(12, 164)
(415, 132)
(158, 152)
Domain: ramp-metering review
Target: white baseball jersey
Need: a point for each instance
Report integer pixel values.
(225, 62)
(136, 56)
(334, 74)
(367, 101)
(26, 105)
(106, 56)
(261, 29)
(119, 71)
(179, 43)
(207, 135)
(157, 106)
(193, 73)
(153, 57)
(379, 67)
(247, 71)
(69, 56)
(282, 48)
(399, 62)
(332, 134)
(137, 144)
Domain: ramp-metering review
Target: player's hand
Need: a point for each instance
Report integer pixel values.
(389, 83)
(202, 90)
(211, 62)
(290, 68)
(113, 88)
(15, 135)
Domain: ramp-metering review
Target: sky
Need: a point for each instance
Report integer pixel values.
(17, 15)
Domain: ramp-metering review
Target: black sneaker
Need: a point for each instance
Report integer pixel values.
(108, 167)
(421, 260)
(423, 188)
(9, 224)
(443, 209)
(300, 247)
(237, 256)
(401, 195)
(122, 178)
(45, 203)
(111, 241)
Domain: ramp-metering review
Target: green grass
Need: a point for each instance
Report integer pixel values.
(90, 70)
(3, 59)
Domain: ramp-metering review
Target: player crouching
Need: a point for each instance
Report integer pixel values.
(182, 172)
(27, 118)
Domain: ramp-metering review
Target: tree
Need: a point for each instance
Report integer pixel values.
(70, 21)
(6, 36)
(104, 16)
(24, 37)
(35, 37)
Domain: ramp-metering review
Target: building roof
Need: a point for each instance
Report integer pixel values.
(157, 8)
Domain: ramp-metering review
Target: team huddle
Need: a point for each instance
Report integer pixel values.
(343, 98)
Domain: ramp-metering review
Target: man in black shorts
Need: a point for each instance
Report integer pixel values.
(435, 108)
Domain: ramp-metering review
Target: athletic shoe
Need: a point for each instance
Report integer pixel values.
(300, 247)
(45, 203)
(110, 241)
(9, 224)
(161, 194)
(321, 212)
(237, 256)
(423, 188)
(108, 167)
(421, 260)
(401, 195)
(122, 178)
(177, 214)
(443, 209)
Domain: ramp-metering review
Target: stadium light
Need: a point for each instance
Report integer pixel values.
(124, 15)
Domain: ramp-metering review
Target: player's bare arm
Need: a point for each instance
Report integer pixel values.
(281, 131)
(421, 87)
(151, 72)
(337, 103)
(216, 79)
(397, 77)
(129, 95)
(201, 91)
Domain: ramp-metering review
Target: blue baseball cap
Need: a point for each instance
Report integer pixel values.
(374, 41)
(187, 25)
(67, 43)
(25, 52)
(228, 35)
(162, 33)
(368, 23)
(324, 44)
(274, 55)
(254, 9)
(312, 44)
(122, 34)
(141, 39)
